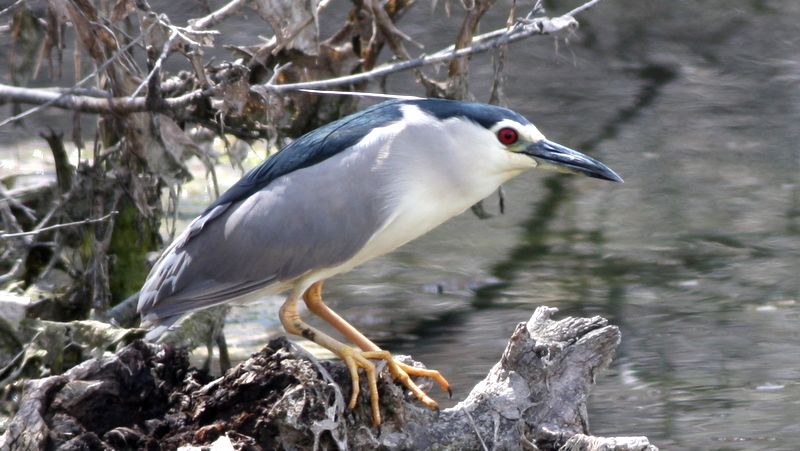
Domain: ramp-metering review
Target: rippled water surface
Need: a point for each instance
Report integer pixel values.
(696, 257)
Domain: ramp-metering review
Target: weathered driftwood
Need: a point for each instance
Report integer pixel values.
(147, 397)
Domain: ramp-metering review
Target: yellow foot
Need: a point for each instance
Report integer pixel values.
(355, 360)
(399, 371)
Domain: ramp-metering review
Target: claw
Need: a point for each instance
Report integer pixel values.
(355, 360)
(400, 372)
(430, 374)
(351, 366)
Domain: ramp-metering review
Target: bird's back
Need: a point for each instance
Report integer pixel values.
(311, 218)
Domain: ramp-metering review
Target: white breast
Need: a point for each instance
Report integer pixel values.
(431, 174)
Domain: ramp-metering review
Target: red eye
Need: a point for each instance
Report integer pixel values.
(507, 135)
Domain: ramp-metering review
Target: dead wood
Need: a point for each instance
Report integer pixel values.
(147, 397)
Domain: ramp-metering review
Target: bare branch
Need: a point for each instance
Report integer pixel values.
(84, 104)
(480, 44)
(7, 215)
(7, 197)
(59, 226)
(132, 105)
(123, 105)
(217, 16)
(583, 8)
(11, 7)
(55, 100)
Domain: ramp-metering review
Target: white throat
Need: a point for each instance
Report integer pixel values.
(433, 174)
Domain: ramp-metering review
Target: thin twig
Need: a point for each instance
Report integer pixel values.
(22, 248)
(5, 196)
(175, 33)
(475, 428)
(157, 65)
(7, 215)
(62, 201)
(60, 226)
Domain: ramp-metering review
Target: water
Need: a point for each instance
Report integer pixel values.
(696, 257)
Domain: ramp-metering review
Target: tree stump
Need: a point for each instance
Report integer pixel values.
(147, 397)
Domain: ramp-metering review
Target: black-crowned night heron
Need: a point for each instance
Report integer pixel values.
(338, 196)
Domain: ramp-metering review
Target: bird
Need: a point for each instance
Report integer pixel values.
(338, 196)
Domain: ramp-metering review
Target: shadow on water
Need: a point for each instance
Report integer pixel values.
(558, 189)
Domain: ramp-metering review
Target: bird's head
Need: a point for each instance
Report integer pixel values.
(503, 129)
(525, 139)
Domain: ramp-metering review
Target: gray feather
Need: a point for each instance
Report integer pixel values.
(311, 219)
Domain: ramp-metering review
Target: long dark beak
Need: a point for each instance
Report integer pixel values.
(558, 157)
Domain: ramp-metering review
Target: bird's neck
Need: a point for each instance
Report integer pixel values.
(425, 186)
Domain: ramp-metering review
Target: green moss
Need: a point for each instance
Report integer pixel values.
(133, 238)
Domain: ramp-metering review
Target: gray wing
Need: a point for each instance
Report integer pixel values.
(313, 218)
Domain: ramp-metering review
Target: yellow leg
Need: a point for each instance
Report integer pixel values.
(353, 359)
(400, 371)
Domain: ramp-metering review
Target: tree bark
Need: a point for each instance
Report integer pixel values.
(146, 396)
